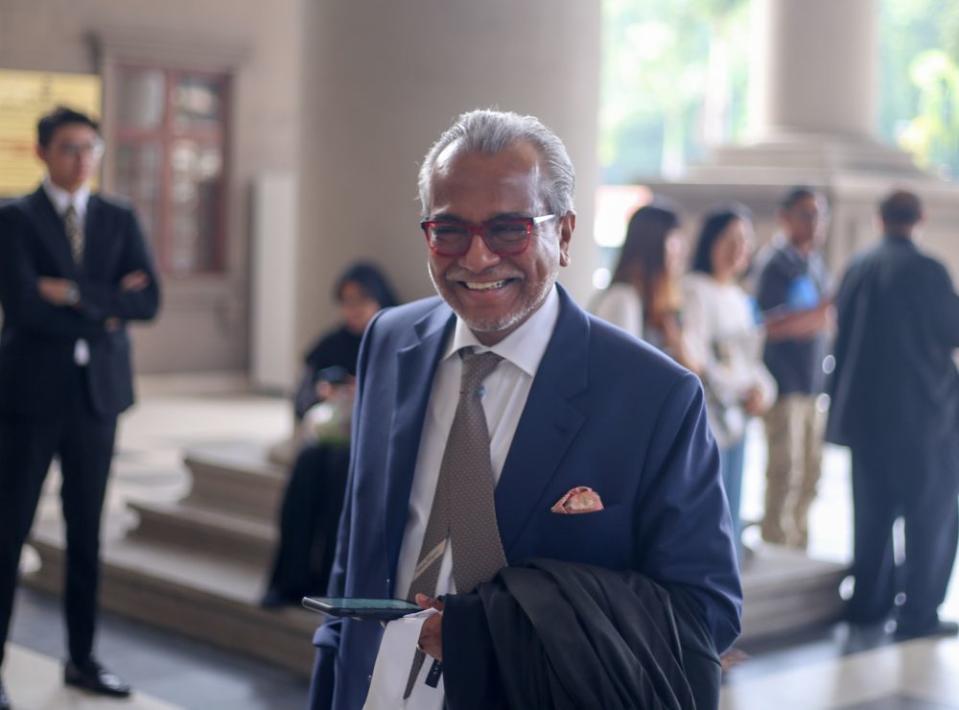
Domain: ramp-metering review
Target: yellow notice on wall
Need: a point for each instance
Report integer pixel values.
(24, 97)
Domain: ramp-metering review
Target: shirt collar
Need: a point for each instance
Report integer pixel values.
(525, 346)
(62, 199)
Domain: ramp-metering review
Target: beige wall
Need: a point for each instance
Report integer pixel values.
(382, 79)
(205, 319)
(347, 96)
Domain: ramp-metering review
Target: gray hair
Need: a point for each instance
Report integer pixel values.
(489, 131)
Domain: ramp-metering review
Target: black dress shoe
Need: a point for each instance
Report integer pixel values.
(4, 700)
(940, 628)
(95, 678)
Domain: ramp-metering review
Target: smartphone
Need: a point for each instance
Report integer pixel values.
(334, 374)
(378, 609)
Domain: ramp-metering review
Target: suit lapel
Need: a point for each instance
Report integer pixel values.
(548, 425)
(415, 367)
(50, 228)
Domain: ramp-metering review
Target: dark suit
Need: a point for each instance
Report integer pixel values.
(50, 405)
(604, 411)
(895, 403)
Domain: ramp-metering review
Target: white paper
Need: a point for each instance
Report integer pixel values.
(392, 669)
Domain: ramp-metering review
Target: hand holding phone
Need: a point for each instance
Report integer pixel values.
(375, 609)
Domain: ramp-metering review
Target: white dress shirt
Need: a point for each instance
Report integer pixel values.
(504, 398)
(506, 390)
(62, 200)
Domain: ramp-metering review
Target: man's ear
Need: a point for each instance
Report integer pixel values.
(40, 152)
(566, 226)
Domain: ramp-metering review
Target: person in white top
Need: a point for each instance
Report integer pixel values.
(644, 298)
(724, 340)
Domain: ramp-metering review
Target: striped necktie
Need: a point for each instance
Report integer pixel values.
(74, 230)
(464, 511)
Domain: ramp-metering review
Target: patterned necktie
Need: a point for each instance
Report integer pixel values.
(74, 230)
(464, 510)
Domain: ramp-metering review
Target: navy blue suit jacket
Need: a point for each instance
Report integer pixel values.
(604, 410)
(37, 340)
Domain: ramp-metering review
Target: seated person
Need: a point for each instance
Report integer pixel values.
(311, 503)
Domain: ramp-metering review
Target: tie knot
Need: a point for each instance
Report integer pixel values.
(477, 367)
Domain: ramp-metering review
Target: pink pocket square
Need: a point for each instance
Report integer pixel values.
(581, 499)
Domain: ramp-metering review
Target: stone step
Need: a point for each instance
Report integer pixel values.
(237, 477)
(191, 592)
(785, 591)
(223, 534)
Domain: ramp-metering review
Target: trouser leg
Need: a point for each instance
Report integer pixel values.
(26, 449)
(813, 427)
(290, 578)
(731, 466)
(932, 530)
(875, 508)
(779, 466)
(86, 450)
(338, 466)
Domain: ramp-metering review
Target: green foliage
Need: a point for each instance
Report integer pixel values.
(655, 72)
(919, 105)
(657, 83)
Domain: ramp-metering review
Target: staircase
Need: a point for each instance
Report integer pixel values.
(196, 566)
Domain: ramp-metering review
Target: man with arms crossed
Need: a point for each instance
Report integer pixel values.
(500, 407)
(74, 267)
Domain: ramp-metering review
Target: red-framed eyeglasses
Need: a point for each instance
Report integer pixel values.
(504, 236)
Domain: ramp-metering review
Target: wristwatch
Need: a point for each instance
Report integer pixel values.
(72, 295)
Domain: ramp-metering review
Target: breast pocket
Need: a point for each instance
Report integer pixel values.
(602, 538)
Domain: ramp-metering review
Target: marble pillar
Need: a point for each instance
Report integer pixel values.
(814, 96)
(381, 80)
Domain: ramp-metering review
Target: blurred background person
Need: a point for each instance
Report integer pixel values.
(792, 292)
(311, 505)
(895, 403)
(724, 341)
(360, 292)
(74, 270)
(644, 296)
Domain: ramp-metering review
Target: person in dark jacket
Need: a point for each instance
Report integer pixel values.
(310, 511)
(360, 291)
(895, 403)
(74, 268)
(638, 644)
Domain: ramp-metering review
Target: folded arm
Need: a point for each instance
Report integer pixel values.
(135, 295)
(26, 296)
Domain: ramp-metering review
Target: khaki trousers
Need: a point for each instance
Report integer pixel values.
(794, 432)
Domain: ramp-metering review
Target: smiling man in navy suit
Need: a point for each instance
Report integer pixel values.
(74, 268)
(500, 422)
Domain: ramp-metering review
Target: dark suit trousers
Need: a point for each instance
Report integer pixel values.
(309, 519)
(83, 441)
(921, 488)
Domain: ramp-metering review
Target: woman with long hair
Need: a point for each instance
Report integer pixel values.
(724, 339)
(644, 297)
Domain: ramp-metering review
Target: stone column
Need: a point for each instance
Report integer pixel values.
(382, 79)
(815, 67)
(814, 97)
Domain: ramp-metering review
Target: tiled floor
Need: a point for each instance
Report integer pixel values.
(919, 675)
(178, 671)
(825, 669)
